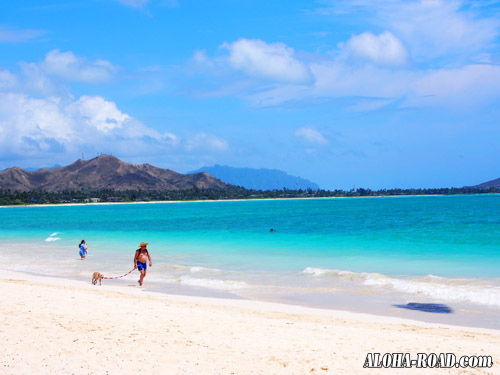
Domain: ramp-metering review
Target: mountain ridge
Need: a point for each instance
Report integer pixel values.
(104, 172)
(490, 184)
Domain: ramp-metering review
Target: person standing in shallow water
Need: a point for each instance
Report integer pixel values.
(83, 249)
(140, 261)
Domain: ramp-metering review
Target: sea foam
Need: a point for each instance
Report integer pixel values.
(440, 288)
(52, 237)
(325, 272)
(213, 283)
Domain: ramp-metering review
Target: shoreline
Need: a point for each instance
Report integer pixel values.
(237, 200)
(224, 298)
(243, 303)
(67, 326)
(185, 201)
(177, 279)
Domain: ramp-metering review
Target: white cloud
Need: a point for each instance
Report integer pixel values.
(201, 63)
(384, 49)
(273, 61)
(436, 28)
(311, 135)
(296, 80)
(8, 81)
(201, 58)
(98, 113)
(337, 79)
(40, 119)
(374, 70)
(73, 68)
(9, 35)
(35, 126)
(31, 125)
(206, 142)
(429, 29)
(35, 81)
(103, 117)
(371, 86)
(466, 87)
(52, 76)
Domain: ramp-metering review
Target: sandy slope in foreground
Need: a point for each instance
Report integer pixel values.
(62, 326)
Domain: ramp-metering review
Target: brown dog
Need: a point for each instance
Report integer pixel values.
(97, 277)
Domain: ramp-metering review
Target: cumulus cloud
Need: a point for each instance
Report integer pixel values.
(296, 80)
(29, 126)
(98, 113)
(311, 135)
(429, 29)
(384, 49)
(273, 61)
(41, 119)
(431, 52)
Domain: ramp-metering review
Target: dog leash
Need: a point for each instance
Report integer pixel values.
(117, 277)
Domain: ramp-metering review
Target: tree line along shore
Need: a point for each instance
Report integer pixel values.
(10, 198)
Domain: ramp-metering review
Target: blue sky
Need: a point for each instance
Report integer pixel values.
(366, 93)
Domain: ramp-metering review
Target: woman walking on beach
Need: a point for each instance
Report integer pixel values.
(140, 259)
(83, 249)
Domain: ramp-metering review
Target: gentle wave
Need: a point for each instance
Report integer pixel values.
(52, 237)
(325, 272)
(213, 283)
(198, 269)
(177, 268)
(441, 288)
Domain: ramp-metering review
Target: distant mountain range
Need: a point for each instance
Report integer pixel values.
(105, 172)
(109, 172)
(258, 179)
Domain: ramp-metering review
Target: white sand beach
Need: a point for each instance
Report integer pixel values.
(55, 325)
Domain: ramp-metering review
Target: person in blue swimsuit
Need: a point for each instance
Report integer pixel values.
(140, 259)
(83, 249)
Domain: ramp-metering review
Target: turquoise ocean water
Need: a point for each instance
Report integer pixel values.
(362, 254)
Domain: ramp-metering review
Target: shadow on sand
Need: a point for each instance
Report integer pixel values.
(436, 308)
